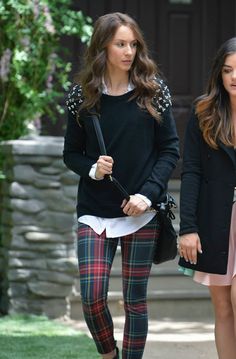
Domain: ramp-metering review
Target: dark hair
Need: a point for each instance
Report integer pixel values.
(143, 69)
(213, 108)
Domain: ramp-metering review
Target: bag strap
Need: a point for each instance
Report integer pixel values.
(103, 151)
(99, 134)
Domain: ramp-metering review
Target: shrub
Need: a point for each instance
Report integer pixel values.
(33, 74)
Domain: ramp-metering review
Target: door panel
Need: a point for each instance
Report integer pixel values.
(178, 53)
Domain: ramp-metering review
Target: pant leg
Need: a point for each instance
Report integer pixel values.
(95, 255)
(137, 254)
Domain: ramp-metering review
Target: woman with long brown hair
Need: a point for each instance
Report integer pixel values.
(121, 83)
(207, 241)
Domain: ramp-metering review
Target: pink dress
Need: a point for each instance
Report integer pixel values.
(225, 279)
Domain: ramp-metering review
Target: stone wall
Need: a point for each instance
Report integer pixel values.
(38, 228)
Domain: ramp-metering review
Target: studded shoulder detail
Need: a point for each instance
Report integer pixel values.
(162, 99)
(74, 99)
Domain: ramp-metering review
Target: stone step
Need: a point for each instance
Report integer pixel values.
(175, 304)
(164, 278)
(177, 286)
(174, 189)
(165, 282)
(174, 185)
(170, 267)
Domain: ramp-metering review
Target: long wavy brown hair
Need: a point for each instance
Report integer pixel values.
(213, 108)
(142, 72)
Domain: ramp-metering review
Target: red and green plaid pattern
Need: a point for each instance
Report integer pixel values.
(96, 254)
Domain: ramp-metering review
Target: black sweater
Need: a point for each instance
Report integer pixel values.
(144, 152)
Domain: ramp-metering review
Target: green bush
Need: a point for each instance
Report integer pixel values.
(33, 74)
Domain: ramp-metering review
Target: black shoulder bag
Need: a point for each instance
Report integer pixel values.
(166, 243)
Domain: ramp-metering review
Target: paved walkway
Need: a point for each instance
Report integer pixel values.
(171, 339)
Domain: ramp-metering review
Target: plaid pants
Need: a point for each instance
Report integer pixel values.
(95, 255)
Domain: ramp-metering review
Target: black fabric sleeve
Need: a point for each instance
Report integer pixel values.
(168, 154)
(74, 155)
(190, 178)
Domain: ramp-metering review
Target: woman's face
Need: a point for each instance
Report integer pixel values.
(121, 50)
(229, 75)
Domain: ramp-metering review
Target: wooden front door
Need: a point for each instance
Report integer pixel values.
(180, 57)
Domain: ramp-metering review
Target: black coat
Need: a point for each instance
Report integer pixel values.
(207, 188)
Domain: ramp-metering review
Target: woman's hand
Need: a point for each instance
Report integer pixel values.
(104, 166)
(189, 246)
(134, 207)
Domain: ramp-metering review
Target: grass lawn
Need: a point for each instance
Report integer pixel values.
(36, 337)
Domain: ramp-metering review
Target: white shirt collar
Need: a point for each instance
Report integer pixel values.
(130, 87)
